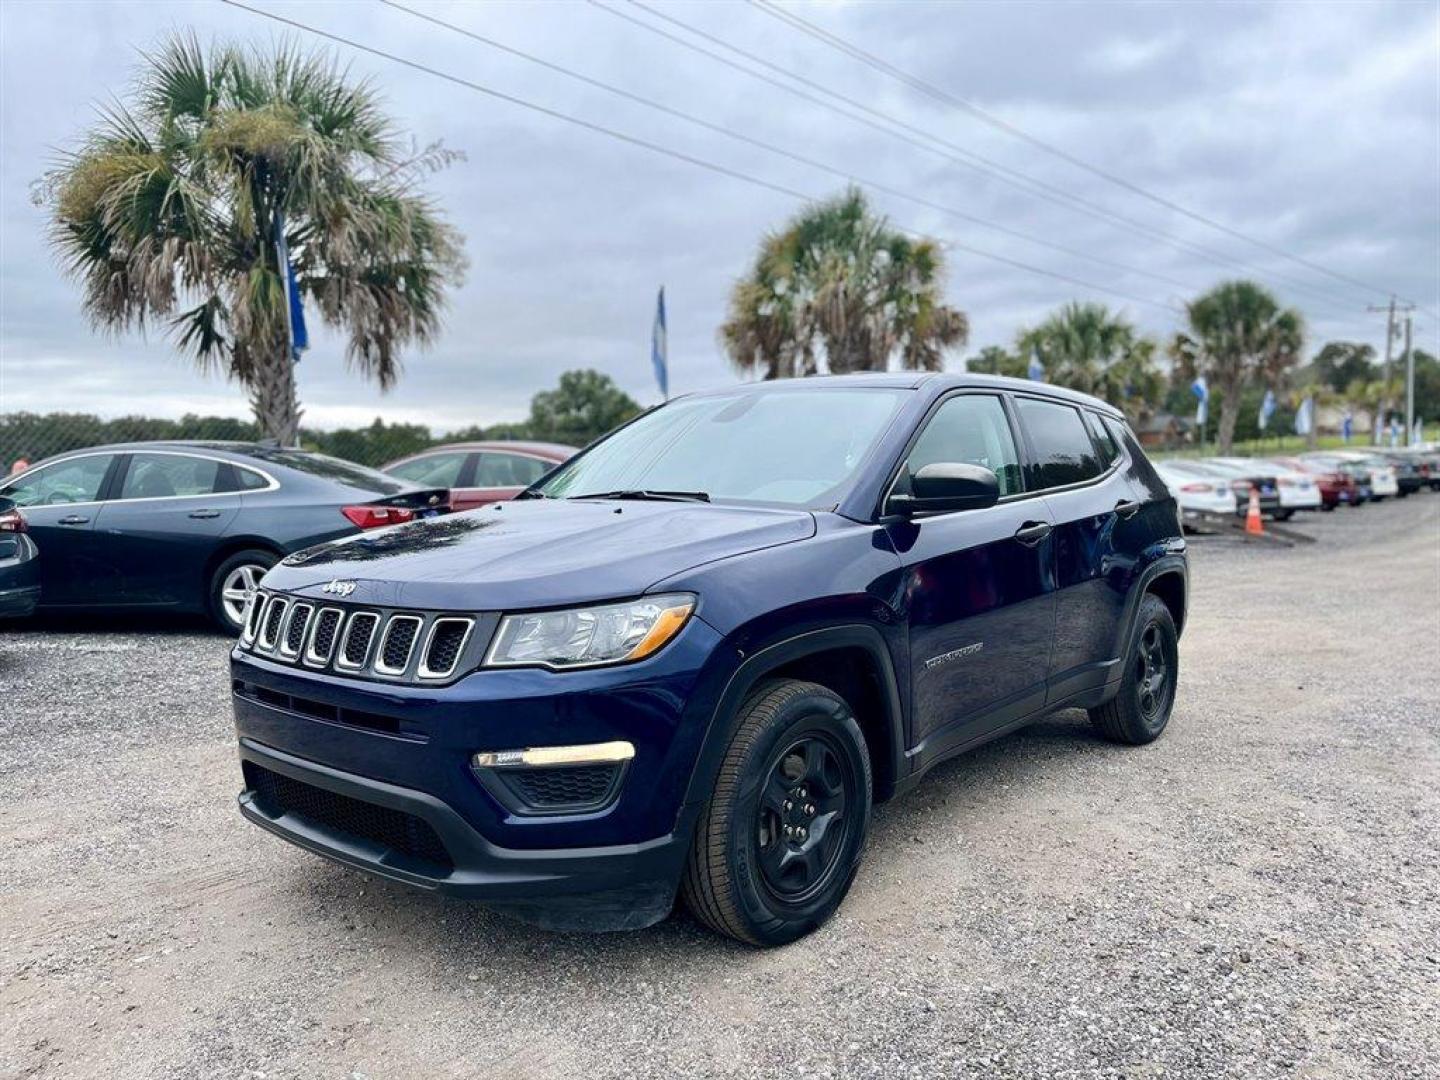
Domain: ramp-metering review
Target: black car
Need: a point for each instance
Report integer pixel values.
(691, 657)
(19, 564)
(193, 526)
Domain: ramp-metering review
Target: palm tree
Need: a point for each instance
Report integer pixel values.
(838, 278)
(1090, 348)
(172, 208)
(1237, 333)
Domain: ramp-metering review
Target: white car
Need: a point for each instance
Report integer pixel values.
(1383, 482)
(1298, 490)
(1196, 492)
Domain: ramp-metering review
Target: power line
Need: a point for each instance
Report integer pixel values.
(834, 170)
(952, 152)
(657, 148)
(879, 64)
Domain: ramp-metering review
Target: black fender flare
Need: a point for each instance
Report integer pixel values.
(776, 655)
(1170, 563)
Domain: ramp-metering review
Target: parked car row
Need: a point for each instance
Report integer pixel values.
(1284, 484)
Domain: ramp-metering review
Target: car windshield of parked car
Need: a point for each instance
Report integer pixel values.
(791, 447)
(322, 465)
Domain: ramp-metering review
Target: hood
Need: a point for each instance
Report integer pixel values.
(535, 553)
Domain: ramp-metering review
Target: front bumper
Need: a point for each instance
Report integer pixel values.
(622, 886)
(366, 751)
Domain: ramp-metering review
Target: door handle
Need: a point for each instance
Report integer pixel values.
(1032, 532)
(1127, 508)
(73, 519)
(204, 513)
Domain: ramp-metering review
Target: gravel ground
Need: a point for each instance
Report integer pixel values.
(1256, 894)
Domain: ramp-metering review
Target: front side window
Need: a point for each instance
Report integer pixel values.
(795, 446)
(432, 470)
(1064, 452)
(166, 476)
(76, 480)
(496, 469)
(970, 429)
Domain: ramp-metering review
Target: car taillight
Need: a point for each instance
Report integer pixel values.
(1286, 482)
(373, 517)
(1196, 489)
(1242, 486)
(12, 521)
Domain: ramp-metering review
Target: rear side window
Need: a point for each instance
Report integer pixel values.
(509, 470)
(248, 479)
(165, 476)
(1064, 452)
(1105, 443)
(433, 470)
(970, 429)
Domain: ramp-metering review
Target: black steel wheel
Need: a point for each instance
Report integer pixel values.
(1139, 712)
(780, 839)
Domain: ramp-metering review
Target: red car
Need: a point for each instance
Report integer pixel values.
(478, 473)
(1336, 487)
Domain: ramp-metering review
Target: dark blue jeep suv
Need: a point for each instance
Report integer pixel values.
(691, 658)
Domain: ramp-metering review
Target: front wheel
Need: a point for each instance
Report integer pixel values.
(780, 839)
(233, 583)
(1140, 711)
(1284, 515)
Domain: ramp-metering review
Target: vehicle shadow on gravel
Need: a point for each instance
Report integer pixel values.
(149, 622)
(450, 934)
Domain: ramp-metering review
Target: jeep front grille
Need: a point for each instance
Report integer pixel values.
(394, 646)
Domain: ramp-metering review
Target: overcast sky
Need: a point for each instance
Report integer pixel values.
(1314, 128)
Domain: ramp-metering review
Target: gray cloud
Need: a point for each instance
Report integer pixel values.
(1313, 127)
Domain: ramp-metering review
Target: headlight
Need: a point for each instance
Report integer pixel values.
(590, 636)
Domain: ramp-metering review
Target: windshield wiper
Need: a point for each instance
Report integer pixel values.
(529, 494)
(648, 494)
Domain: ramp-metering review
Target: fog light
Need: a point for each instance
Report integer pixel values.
(606, 753)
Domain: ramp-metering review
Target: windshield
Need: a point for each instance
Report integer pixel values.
(789, 447)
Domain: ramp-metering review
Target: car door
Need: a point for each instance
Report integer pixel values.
(61, 502)
(166, 515)
(501, 475)
(977, 584)
(1091, 500)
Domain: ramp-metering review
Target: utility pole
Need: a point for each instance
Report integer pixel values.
(1409, 384)
(1391, 333)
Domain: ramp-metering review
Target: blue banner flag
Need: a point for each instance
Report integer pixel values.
(1201, 390)
(1267, 409)
(294, 308)
(1037, 369)
(660, 347)
(1305, 416)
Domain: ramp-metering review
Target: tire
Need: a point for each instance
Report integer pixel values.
(745, 877)
(1327, 507)
(249, 564)
(1153, 651)
(1284, 515)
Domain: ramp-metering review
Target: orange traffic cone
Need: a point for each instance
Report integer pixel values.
(1253, 525)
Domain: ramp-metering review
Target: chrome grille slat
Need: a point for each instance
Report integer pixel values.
(324, 633)
(296, 625)
(252, 616)
(395, 634)
(270, 624)
(356, 641)
(443, 626)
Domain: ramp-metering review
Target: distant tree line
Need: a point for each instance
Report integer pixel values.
(584, 406)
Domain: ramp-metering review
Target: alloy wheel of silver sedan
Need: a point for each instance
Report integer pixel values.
(238, 587)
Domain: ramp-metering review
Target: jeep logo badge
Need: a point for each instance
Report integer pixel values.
(336, 587)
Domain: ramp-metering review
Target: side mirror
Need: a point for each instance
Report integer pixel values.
(946, 486)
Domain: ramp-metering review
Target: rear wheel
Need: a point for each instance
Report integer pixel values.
(780, 840)
(233, 583)
(1140, 711)
(1284, 515)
